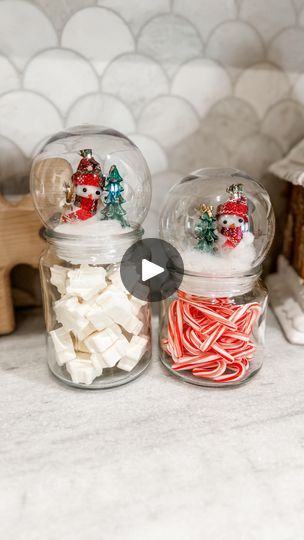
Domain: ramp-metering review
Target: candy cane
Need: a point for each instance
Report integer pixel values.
(211, 370)
(238, 370)
(211, 337)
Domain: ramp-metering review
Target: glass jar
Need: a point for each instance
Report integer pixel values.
(214, 340)
(98, 334)
(92, 188)
(222, 223)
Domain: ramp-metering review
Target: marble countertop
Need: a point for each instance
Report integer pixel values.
(156, 458)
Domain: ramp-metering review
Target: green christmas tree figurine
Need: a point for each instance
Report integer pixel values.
(205, 230)
(114, 199)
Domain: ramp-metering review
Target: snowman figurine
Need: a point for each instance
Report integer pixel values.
(232, 220)
(88, 184)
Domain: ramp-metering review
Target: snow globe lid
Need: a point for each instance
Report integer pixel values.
(90, 181)
(221, 221)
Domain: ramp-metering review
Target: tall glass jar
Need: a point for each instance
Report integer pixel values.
(91, 186)
(98, 334)
(212, 332)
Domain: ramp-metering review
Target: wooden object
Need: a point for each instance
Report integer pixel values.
(286, 286)
(296, 236)
(20, 243)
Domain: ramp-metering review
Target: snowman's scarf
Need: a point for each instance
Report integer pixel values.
(234, 236)
(86, 203)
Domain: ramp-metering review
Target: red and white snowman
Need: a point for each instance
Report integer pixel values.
(88, 185)
(232, 219)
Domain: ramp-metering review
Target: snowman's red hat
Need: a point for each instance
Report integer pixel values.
(236, 207)
(86, 179)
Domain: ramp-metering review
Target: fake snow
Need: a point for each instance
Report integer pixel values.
(224, 263)
(93, 227)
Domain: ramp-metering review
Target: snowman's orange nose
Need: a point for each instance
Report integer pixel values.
(90, 196)
(232, 226)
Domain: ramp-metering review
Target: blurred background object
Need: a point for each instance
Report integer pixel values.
(20, 245)
(194, 84)
(286, 286)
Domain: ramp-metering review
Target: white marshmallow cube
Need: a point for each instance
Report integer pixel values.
(135, 350)
(98, 318)
(58, 277)
(63, 345)
(133, 325)
(112, 292)
(98, 342)
(127, 364)
(115, 352)
(82, 370)
(70, 313)
(63, 309)
(137, 304)
(119, 308)
(98, 361)
(137, 347)
(86, 281)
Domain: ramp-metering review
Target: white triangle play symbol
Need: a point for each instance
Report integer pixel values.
(150, 270)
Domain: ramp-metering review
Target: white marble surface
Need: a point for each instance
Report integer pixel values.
(153, 459)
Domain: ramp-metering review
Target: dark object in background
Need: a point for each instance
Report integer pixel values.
(286, 286)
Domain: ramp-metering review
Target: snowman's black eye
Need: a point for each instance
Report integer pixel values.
(84, 189)
(240, 220)
(225, 221)
(97, 192)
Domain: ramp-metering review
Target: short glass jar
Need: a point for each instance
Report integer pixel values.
(98, 334)
(214, 340)
(222, 223)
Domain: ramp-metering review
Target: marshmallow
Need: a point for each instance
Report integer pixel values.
(133, 325)
(115, 352)
(70, 313)
(127, 364)
(98, 318)
(137, 304)
(116, 280)
(119, 309)
(98, 342)
(112, 292)
(98, 361)
(80, 346)
(83, 330)
(82, 370)
(86, 281)
(63, 345)
(137, 347)
(58, 277)
(134, 352)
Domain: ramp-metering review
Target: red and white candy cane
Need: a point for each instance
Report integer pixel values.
(211, 337)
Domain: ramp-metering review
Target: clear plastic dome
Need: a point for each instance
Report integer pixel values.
(220, 220)
(90, 180)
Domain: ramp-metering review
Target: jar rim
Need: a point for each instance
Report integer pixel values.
(251, 273)
(213, 285)
(94, 249)
(54, 236)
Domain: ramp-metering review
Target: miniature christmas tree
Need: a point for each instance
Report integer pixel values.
(205, 230)
(114, 199)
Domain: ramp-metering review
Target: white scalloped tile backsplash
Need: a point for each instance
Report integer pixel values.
(194, 83)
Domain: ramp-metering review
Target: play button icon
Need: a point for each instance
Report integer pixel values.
(151, 269)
